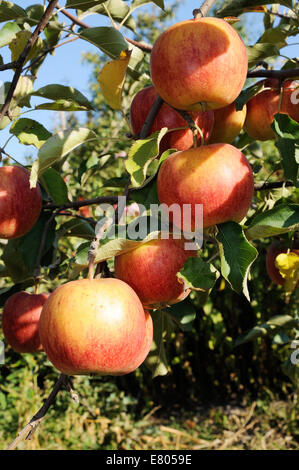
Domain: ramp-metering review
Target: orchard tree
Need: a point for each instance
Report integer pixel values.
(182, 122)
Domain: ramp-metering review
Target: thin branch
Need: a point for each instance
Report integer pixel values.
(84, 202)
(10, 65)
(272, 185)
(42, 245)
(22, 58)
(150, 117)
(28, 430)
(281, 74)
(203, 10)
(141, 45)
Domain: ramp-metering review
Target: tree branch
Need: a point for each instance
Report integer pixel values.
(203, 10)
(272, 185)
(29, 429)
(84, 202)
(282, 74)
(22, 58)
(150, 117)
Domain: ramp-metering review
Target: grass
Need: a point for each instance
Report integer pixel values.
(105, 419)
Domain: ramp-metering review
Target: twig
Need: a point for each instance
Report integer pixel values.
(42, 245)
(203, 10)
(28, 430)
(272, 185)
(141, 45)
(282, 74)
(22, 58)
(84, 202)
(150, 117)
(10, 65)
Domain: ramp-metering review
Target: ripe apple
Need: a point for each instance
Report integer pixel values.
(168, 117)
(95, 326)
(218, 176)
(262, 107)
(20, 206)
(20, 319)
(274, 250)
(199, 64)
(228, 123)
(151, 270)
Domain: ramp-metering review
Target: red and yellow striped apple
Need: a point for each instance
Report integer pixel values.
(95, 326)
(168, 117)
(218, 176)
(20, 319)
(20, 206)
(199, 64)
(151, 270)
(228, 123)
(262, 107)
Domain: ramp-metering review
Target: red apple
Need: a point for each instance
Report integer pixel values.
(274, 250)
(20, 319)
(218, 176)
(95, 326)
(151, 270)
(199, 64)
(262, 107)
(20, 206)
(168, 117)
(228, 123)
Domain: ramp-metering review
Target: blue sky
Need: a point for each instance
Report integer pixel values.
(66, 67)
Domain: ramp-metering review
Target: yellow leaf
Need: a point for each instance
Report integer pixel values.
(288, 266)
(112, 77)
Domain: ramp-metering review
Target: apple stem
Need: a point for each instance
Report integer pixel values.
(203, 10)
(101, 228)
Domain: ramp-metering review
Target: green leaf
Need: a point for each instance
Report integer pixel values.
(60, 92)
(248, 93)
(118, 10)
(272, 325)
(82, 4)
(197, 275)
(291, 369)
(14, 262)
(108, 39)
(156, 360)
(18, 44)
(30, 243)
(61, 105)
(141, 154)
(276, 35)
(236, 7)
(77, 228)
(285, 127)
(58, 146)
(53, 33)
(8, 33)
(138, 3)
(281, 219)
(10, 11)
(236, 255)
(34, 14)
(183, 313)
(261, 51)
(30, 132)
(55, 186)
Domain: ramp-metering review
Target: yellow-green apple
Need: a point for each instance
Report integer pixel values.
(228, 123)
(20, 206)
(96, 326)
(275, 249)
(20, 319)
(218, 176)
(262, 107)
(199, 64)
(168, 117)
(151, 270)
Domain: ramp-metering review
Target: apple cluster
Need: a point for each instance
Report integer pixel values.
(103, 326)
